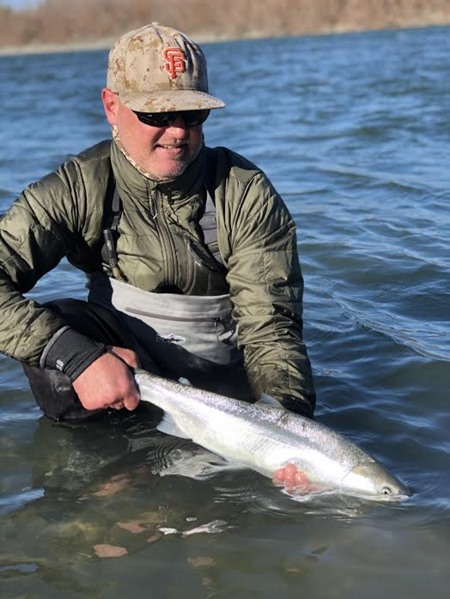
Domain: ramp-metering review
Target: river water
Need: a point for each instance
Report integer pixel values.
(354, 131)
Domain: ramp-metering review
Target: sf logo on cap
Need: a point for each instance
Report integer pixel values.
(174, 61)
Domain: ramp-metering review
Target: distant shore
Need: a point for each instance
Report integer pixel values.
(58, 26)
(54, 48)
(202, 38)
(106, 43)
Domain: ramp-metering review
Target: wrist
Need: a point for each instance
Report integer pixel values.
(71, 352)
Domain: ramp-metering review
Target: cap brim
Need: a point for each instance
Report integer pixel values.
(168, 101)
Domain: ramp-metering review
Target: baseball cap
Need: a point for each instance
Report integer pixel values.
(159, 69)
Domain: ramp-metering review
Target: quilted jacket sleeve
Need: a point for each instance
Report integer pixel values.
(35, 234)
(266, 289)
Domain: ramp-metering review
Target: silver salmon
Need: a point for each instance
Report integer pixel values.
(265, 437)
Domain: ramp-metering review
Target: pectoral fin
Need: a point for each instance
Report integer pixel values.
(170, 427)
(268, 400)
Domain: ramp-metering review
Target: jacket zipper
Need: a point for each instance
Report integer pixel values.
(167, 248)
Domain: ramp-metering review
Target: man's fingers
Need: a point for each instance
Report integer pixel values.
(127, 355)
(117, 405)
(131, 402)
(108, 383)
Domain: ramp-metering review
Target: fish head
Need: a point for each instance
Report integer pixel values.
(370, 480)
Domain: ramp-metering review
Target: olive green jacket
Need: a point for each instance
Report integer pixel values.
(160, 247)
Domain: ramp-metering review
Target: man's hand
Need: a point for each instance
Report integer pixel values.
(108, 382)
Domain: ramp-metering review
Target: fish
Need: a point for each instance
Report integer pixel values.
(266, 437)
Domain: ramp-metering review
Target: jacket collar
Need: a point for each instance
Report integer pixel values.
(132, 181)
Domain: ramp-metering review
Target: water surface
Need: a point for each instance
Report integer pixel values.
(354, 131)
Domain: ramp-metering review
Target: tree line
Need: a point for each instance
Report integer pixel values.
(97, 21)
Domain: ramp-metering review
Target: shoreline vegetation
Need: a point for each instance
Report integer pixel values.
(51, 26)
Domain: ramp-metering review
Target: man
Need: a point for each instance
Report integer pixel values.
(190, 253)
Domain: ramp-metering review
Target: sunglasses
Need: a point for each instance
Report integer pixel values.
(191, 118)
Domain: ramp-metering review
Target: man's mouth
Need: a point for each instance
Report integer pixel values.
(172, 146)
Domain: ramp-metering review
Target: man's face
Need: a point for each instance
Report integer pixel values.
(163, 152)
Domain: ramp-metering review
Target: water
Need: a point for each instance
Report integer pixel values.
(354, 131)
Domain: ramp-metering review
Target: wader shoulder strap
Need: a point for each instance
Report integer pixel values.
(113, 209)
(208, 222)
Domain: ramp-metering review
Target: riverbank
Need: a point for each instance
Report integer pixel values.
(54, 27)
(201, 37)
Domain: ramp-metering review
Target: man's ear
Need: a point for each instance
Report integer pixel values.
(111, 105)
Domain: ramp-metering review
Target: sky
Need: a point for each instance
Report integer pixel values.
(18, 3)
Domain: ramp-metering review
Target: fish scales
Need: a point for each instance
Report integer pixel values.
(266, 438)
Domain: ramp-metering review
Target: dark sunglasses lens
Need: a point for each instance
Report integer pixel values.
(157, 119)
(191, 118)
(194, 117)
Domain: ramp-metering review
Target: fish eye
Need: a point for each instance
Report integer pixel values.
(386, 491)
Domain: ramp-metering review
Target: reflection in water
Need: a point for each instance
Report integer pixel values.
(117, 489)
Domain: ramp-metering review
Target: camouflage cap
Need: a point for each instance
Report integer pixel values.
(159, 69)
